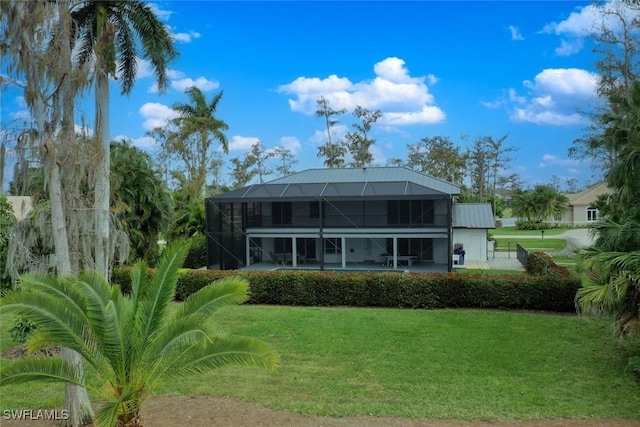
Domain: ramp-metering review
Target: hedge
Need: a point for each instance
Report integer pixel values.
(541, 263)
(408, 290)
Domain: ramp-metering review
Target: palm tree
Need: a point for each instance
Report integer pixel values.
(614, 260)
(613, 265)
(109, 31)
(192, 143)
(134, 342)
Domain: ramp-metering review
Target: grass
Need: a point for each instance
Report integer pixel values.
(510, 231)
(531, 244)
(461, 364)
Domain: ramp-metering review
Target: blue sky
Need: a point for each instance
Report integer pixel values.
(453, 68)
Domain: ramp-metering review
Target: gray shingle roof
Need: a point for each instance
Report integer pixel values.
(349, 183)
(473, 215)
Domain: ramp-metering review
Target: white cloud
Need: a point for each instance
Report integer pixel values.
(156, 115)
(515, 33)
(579, 23)
(553, 160)
(144, 142)
(554, 97)
(403, 99)
(291, 143)
(83, 130)
(185, 37)
(201, 83)
(568, 48)
(242, 143)
(162, 14)
(20, 115)
(144, 68)
(585, 20)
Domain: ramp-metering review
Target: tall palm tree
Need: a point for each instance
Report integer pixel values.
(192, 143)
(109, 31)
(614, 261)
(135, 342)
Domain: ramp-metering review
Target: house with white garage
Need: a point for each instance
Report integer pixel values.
(342, 218)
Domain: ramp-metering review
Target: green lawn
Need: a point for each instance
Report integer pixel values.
(509, 244)
(462, 364)
(509, 231)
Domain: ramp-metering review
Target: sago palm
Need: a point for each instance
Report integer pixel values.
(614, 275)
(134, 342)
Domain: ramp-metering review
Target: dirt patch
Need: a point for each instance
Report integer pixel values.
(20, 351)
(211, 411)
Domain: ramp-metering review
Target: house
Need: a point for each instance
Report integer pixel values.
(338, 218)
(21, 206)
(471, 221)
(581, 205)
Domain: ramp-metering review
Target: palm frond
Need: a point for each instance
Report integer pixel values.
(228, 351)
(153, 309)
(221, 293)
(52, 369)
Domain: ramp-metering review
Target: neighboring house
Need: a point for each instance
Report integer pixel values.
(471, 221)
(21, 206)
(581, 209)
(335, 218)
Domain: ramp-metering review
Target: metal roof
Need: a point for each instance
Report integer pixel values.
(473, 215)
(345, 183)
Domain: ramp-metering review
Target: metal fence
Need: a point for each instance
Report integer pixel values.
(522, 254)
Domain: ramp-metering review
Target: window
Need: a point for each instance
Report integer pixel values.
(406, 212)
(592, 213)
(314, 210)
(281, 212)
(333, 245)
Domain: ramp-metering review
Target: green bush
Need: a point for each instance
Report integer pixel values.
(440, 290)
(528, 225)
(197, 256)
(540, 264)
(21, 330)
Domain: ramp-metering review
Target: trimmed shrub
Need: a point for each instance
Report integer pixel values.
(528, 225)
(197, 256)
(540, 264)
(409, 290)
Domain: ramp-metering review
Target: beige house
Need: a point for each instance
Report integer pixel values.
(21, 206)
(581, 205)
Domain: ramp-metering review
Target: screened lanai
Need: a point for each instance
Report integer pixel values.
(394, 218)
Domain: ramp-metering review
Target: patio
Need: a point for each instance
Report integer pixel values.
(416, 267)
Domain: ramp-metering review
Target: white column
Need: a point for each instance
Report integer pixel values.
(395, 252)
(344, 252)
(248, 252)
(294, 252)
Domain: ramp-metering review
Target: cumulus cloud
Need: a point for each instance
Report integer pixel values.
(20, 115)
(569, 47)
(584, 21)
(156, 115)
(242, 143)
(553, 160)
(402, 98)
(201, 83)
(554, 96)
(160, 13)
(184, 37)
(515, 33)
(144, 142)
(290, 143)
(179, 81)
(83, 130)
